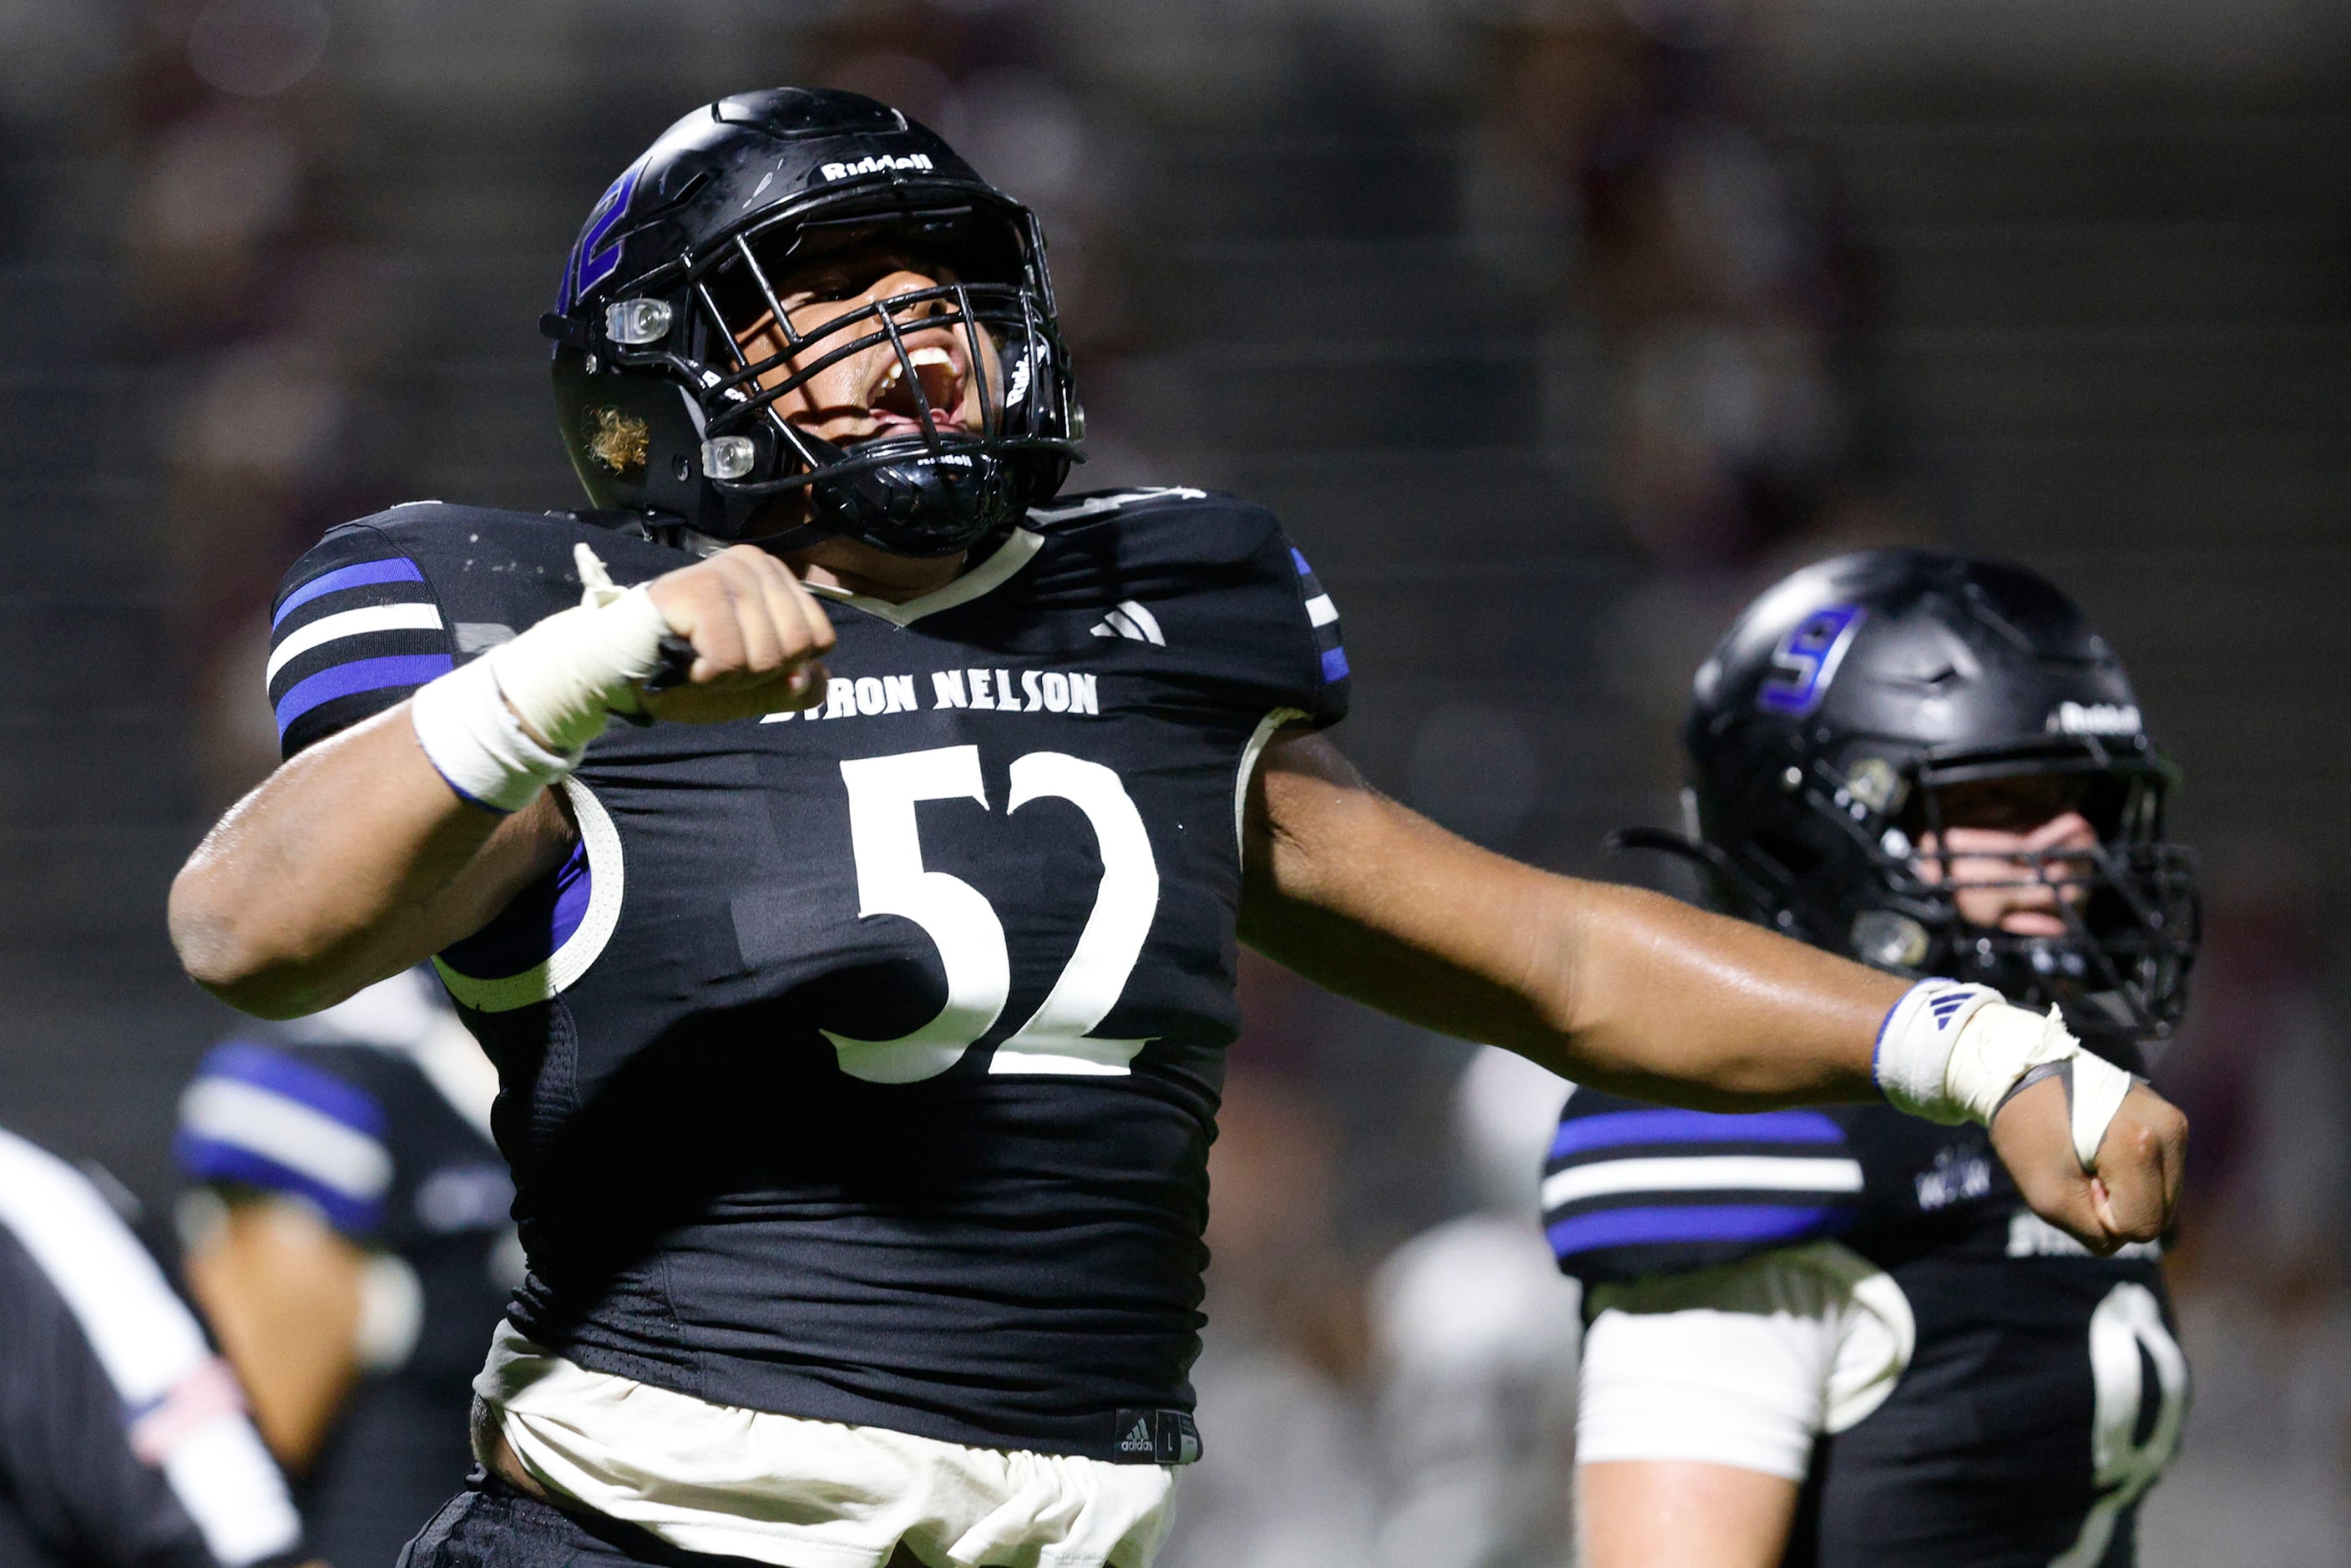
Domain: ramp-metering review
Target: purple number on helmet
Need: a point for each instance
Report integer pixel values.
(1807, 659)
(593, 259)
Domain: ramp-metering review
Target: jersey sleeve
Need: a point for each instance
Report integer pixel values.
(356, 628)
(122, 1437)
(265, 1116)
(1632, 1189)
(1323, 681)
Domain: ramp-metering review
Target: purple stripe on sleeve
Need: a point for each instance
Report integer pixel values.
(1707, 1222)
(399, 569)
(1334, 664)
(358, 676)
(296, 1080)
(1613, 1128)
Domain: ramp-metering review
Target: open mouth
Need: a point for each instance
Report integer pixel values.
(894, 402)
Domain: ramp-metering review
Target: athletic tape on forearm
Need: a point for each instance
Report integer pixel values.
(563, 676)
(479, 746)
(1952, 1053)
(560, 681)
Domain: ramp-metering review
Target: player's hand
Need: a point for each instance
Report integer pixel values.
(2137, 1186)
(759, 637)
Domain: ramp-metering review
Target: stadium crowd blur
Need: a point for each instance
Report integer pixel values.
(1553, 328)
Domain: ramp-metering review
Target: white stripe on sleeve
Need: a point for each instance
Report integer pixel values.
(150, 1348)
(230, 1486)
(350, 623)
(1320, 611)
(229, 1111)
(1701, 1173)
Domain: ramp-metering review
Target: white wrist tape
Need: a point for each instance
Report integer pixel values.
(1950, 1053)
(563, 679)
(480, 747)
(1914, 1047)
(563, 676)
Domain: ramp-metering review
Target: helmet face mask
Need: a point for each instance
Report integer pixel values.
(698, 336)
(1967, 695)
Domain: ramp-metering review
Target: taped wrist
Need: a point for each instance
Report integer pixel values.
(515, 719)
(1954, 1053)
(479, 746)
(566, 676)
(1915, 1043)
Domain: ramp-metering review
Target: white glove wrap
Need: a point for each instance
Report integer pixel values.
(1950, 1053)
(562, 678)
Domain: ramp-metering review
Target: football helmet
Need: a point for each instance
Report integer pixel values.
(1860, 703)
(664, 413)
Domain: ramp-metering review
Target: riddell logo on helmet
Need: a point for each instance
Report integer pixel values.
(881, 164)
(2093, 718)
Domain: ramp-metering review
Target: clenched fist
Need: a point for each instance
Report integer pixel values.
(2135, 1188)
(759, 637)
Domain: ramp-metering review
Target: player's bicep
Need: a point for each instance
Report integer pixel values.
(1374, 901)
(527, 847)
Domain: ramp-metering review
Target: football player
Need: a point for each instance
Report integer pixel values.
(350, 1247)
(1839, 1338)
(859, 1001)
(123, 1439)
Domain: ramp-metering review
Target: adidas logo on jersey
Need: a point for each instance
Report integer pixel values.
(1134, 622)
(881, 164)
(1159, 1436)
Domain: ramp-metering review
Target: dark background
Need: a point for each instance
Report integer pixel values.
(1553, 331)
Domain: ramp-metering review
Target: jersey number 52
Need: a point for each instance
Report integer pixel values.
(1058, 1037)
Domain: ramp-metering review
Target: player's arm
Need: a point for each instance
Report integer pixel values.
(1637, 992)
(1633, 1512)
(282, 1291)
(351, 861)
(361, 857)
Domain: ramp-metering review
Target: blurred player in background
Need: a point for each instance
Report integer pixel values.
(1474, 1334)
(123, 1438)
(858, 1064)
(1836, 1337)
(351, 1247)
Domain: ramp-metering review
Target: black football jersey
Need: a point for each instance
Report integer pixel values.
(2044, 1396)
(123, 1438)
(2045, 1388)
(862, 1063)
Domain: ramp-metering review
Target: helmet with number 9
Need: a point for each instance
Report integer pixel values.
(663, 407)
(1856, 702)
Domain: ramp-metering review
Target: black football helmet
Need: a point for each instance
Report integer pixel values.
(1865, 700)
(661, 412)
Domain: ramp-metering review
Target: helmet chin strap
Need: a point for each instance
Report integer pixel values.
(910, 506)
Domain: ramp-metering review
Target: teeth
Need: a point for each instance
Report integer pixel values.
(920, 357)
(886, 383)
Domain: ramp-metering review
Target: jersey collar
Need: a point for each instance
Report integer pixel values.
(999, 569)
